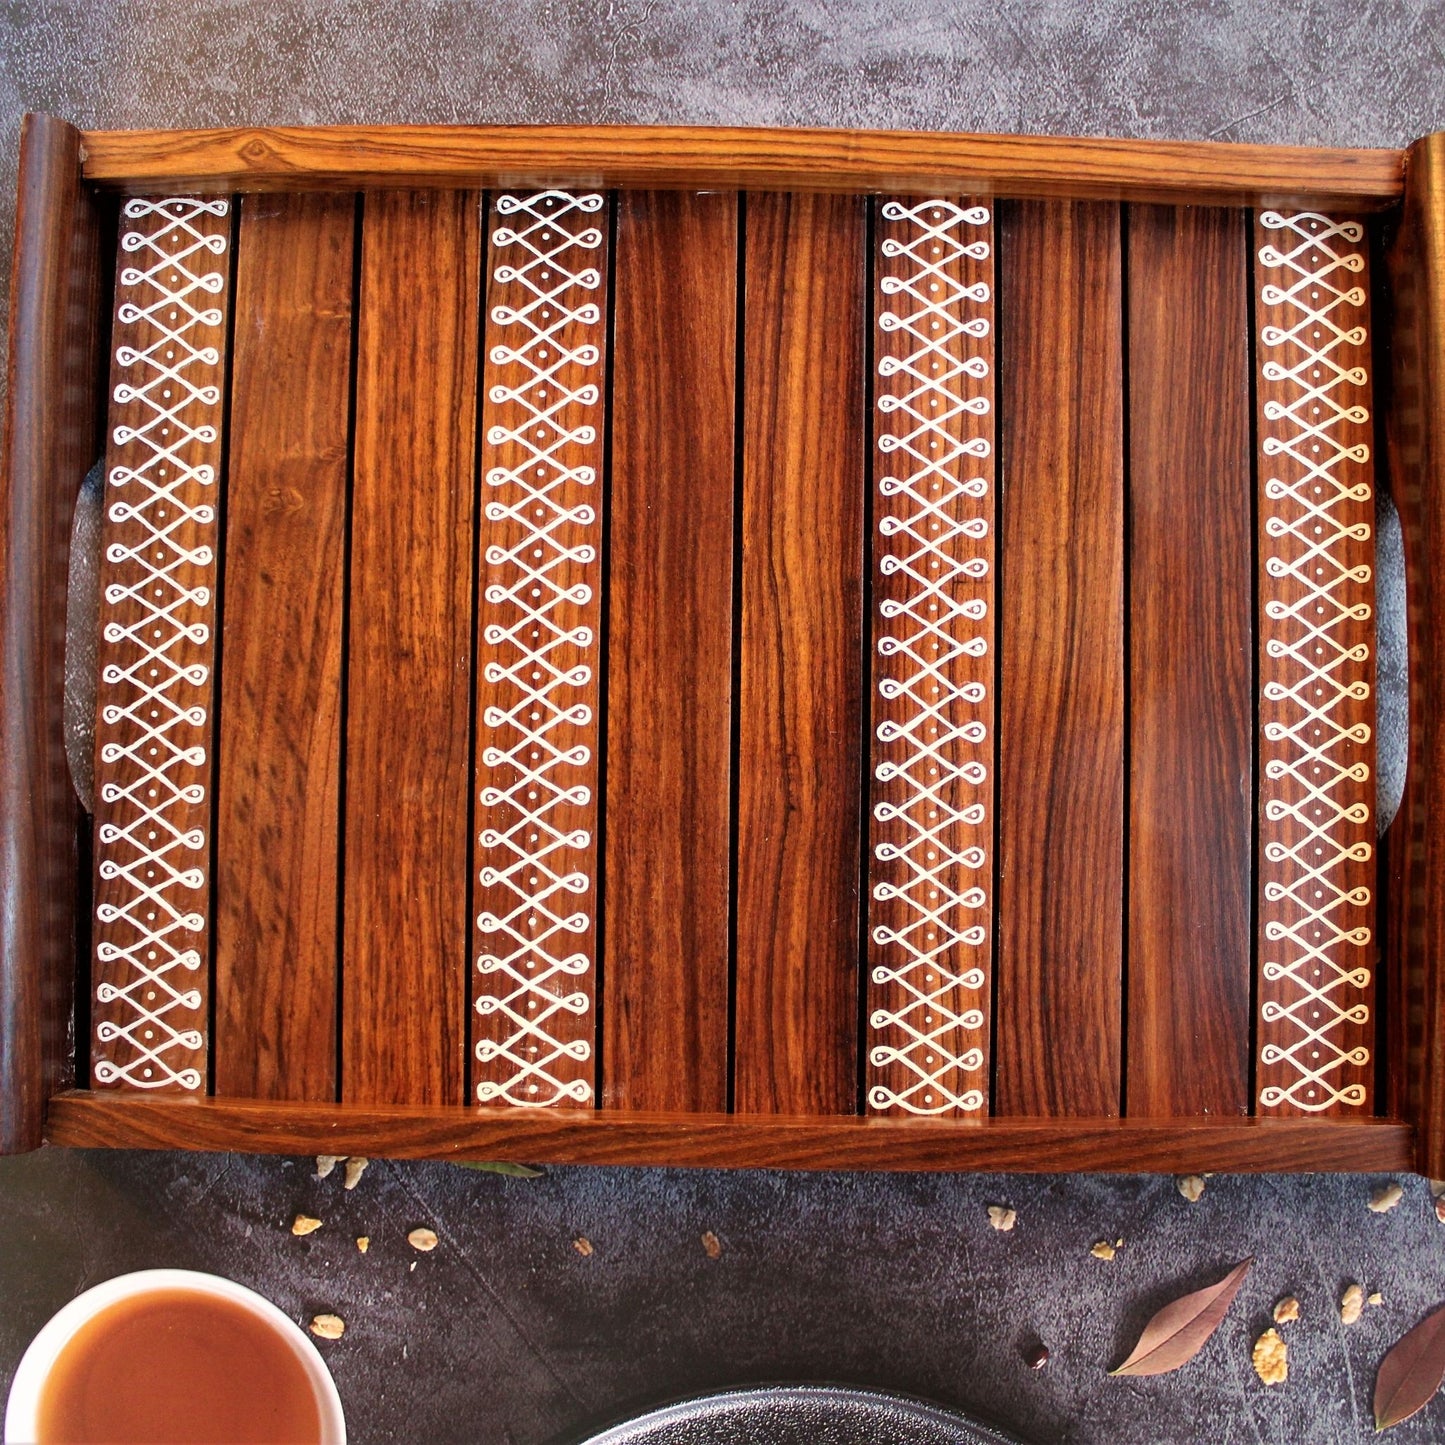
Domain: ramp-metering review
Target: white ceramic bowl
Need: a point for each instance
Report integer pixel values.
(22, 1411)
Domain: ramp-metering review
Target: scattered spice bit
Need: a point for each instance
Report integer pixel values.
(1179, 1331)
(1103, 1250)
(325, 1163)
(424, 1240)
(582, 1245)
(355, 1168)
(1286, 1310)
(1385, 1199)
(1270, 1358)
(328, 1327)
(1437, 1188)
(1352, 1302)
(711, 1245)
(1440, 1209)
(1037, 1357)
(303, 1224)
(363, 1242)
(1376, 1299)
(1002, 1218)
(1191, 1186)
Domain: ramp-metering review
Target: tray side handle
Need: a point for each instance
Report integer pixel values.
(52, 433)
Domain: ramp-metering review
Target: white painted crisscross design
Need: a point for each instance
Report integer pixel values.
(157, 696)
(531, 620)
(933, 544)
(1311, 781)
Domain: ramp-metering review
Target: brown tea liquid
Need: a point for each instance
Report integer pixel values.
(178, 1366)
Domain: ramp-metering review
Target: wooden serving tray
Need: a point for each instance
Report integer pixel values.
(795, 648)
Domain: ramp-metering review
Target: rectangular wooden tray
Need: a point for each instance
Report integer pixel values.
(724, 647)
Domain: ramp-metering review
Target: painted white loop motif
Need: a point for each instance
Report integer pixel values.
(547, 256)
(935, 890)
(150, 848)
(1317, 944)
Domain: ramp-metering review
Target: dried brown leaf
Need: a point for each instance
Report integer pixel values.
(1178, 1332)
(1411, 1371)
(494, 1166)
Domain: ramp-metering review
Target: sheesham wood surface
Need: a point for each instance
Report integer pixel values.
(801, 675)
(52, 435)
(1315, 914)
(1191, 744)
(730, 157)
(278, 803)
(156, 646)
(1061, 692)
(409, 685)
(577, 1136)
(669, 678)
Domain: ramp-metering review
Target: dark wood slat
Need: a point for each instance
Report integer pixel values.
(538, 651)
(1061, 693)
(1191, 684)
(1316, 621)
(409, 686)
(156, 650)
(575, 1136)
(799, 766)
(52, 435)
(665, 978)
(930, 865)
(279, 769)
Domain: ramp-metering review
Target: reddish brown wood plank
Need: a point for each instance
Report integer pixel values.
(801, 682)
(157, 646)
(538, 656)
(1191, 704)
(932, 737)
(279, 768)
(1061, 693)
(1316, 815)
(409, 686)
(669, 678)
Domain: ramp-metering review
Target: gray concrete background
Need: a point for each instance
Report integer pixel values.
(506, 1333)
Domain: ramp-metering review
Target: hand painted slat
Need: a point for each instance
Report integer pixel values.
(409, 685)
(669, 669)
(1061, 690)
(279, 769)
(797, 990)
(157, 645)
(538, 651)
(1316, 664)
(932, 740)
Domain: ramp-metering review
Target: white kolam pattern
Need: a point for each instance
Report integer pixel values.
(536, 637)
(1315, 785)
(155, 682)
(933, 536)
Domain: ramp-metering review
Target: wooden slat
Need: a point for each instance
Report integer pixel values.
(1061, 691)
(1316, 813)
(731, 157)
(585, 1136)
(538, 654)
(157, 646)
(799, 764)
(1191, 644)
(669, 687)
(279, 770)
(932, 736)
(409, 687)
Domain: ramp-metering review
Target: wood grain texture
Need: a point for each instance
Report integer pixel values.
(409, 686)
(278, 782)
(156, 649)
(669, 679)
(52, 435)
(539, 656)
(1316, 626)
(799, 764)
(574, 1136)
(1191, 685)
(731, 157)
(1061, 691)
(931, 740)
